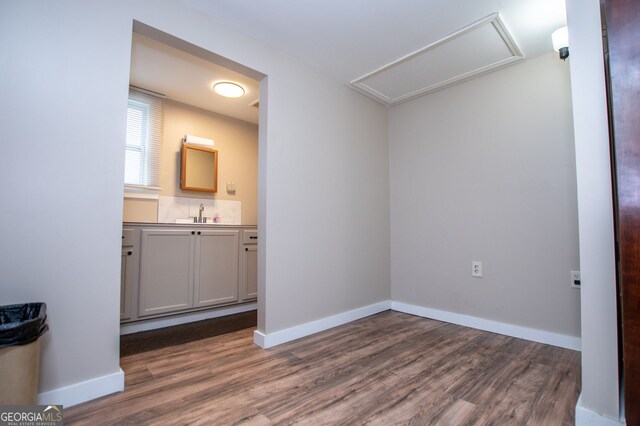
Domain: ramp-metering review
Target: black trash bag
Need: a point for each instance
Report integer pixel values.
(22, 324)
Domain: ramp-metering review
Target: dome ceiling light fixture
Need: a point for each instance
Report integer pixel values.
(228, 89)
(560, 38)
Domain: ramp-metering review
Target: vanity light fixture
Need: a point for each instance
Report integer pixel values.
(228, 89)
(560, 38)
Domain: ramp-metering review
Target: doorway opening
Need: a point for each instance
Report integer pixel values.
(190, 255)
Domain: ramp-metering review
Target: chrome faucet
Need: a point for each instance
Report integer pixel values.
(200, 213)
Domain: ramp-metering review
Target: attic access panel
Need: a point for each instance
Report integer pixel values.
(480, 47)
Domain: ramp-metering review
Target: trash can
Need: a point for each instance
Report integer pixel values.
(20, 328)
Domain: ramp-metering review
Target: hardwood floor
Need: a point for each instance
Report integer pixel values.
(145, 341)
(387, 369)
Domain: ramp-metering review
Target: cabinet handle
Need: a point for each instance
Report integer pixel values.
(246, 249)
(199, 232)
(253, 238)
(129, 253)
(193, 232)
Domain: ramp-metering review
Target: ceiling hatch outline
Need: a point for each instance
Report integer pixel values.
(493, 21)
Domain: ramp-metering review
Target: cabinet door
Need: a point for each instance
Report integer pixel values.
(129, 274)
(166, 271)
(250, 272)
(126, 282)
(216, 267)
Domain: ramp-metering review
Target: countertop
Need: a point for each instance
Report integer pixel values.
(188, 225)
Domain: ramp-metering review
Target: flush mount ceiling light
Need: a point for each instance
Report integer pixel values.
(560, 38)
(228, 89)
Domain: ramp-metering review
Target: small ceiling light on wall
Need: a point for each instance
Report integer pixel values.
(228, 89)
(560, 38)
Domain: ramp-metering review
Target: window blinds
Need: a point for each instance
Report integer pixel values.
(145, 125)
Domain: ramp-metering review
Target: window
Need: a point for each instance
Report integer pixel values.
(145, 117)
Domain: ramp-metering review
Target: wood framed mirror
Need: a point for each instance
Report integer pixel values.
(199, 168)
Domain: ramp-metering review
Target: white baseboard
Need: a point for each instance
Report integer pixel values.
(283, 336)
(152, 324)
(549, 338)
(586, 417)
(84, 391)
(259, 338)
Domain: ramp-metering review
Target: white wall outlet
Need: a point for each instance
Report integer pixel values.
(476, 269)
(575, 279)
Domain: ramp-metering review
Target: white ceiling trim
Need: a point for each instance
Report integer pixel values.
(493, 20)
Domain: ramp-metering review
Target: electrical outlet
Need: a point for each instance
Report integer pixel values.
(575, 279)
(476, 269)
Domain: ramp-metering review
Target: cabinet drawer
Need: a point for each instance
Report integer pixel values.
(129, 237)
(250, 237)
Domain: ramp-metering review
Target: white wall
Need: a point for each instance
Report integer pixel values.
(324, 214)
(63, 110)
(485, 171)
(327, 201)
(237, 144)
(600, 385)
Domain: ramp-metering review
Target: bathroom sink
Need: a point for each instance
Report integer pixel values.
(184, 220)
(191, 222)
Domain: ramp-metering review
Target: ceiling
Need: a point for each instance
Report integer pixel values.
(392, 51)
(188, 79)
(396, 50)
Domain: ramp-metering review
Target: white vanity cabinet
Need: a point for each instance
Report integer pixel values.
(249, 269)
(216, 267)
(166, 271)
(175, 269)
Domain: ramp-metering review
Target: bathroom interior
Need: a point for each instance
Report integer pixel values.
(189, 240)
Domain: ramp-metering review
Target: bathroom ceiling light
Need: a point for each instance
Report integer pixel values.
(560, 38)
(228, 89)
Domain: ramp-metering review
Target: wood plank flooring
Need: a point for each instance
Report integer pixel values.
(387, 369)
(145, 341)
